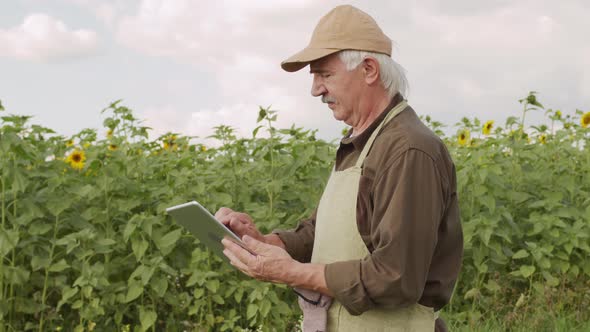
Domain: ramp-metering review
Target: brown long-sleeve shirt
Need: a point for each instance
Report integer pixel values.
(407, 214)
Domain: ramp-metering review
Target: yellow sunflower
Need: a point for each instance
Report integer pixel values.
(527, 137)
(69, 143)
(109, 133)
(170, 143)
(76, 159)
(487, 127)
(558, 114)
(170, 146)
(585, 120)
(543, 139)
(86, 145)
(463, 137)
(113, 147)
(203, 148)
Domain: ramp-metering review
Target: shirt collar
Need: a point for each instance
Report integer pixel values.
(360, 140)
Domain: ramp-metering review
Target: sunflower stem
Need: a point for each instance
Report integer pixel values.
(3, 204)
(522, 121)
(45, 282)
(108, 225)
(270, 189)
(12, 264)
(235, 193)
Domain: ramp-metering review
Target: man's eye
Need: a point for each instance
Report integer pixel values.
(326, 75)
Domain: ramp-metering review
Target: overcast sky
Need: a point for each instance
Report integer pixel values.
(188, 65)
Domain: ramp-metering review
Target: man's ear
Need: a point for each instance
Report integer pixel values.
(370, 70)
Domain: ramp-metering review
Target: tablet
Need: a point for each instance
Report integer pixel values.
(203, 225)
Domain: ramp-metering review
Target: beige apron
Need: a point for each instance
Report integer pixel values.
(337, 239)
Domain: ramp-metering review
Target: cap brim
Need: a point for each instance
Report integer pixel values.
(303, 58)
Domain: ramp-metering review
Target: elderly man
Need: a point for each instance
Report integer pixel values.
(385, 242)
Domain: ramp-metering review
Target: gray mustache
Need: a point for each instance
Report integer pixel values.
(326, 100)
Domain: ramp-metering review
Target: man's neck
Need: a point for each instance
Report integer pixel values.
(372, 112)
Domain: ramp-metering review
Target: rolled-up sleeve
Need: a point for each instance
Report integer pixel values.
(409, 199)
(299, 241)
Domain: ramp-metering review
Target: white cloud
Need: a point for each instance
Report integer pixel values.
(502, 52)
(106, 11)
(585, 82)
(207, 32)
(162, 120)
(463, 58)
(518, 27)
(240, 117)
(43, 38)
(241, 44)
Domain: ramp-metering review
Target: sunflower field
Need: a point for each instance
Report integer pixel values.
(86, 244)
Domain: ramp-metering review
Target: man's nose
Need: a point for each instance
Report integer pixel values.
(317, 87)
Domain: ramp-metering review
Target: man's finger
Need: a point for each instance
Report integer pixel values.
(239, 216)
(237, 226)
(244, 218)
(236, 261)
(256, 246)
(223, 211)
(224, 220)
(240, 253)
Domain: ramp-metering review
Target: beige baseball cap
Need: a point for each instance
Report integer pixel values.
(343, 28)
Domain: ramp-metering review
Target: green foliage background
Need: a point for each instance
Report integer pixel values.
(92, 249)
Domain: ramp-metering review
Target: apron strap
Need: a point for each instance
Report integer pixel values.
(395, 111)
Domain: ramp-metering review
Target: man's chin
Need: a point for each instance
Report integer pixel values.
(335, 111)
(337, 115)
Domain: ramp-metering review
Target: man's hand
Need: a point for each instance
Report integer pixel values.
(241, 224)
(270, 263)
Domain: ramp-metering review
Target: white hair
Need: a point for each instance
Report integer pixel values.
(392, 74)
